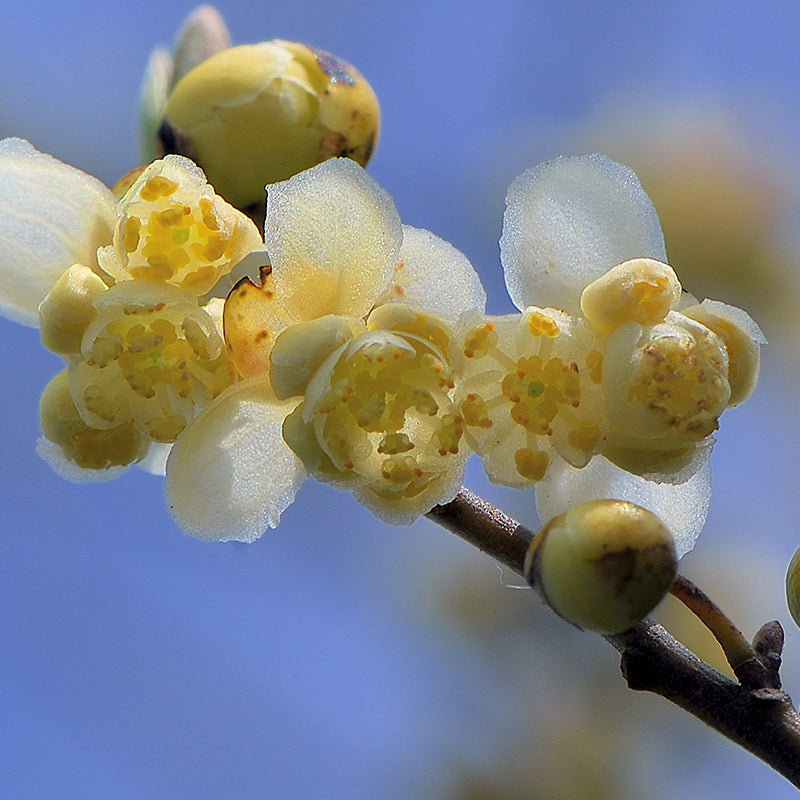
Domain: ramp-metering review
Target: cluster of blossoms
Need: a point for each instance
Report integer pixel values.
(119, 289)
(356, 349)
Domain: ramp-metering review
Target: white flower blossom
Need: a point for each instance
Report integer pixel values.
(114, 287)
(581, 236)
(362, 377)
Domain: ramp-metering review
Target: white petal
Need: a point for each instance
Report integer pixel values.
(155, 462)
(681, 507)
(230, 475)
(52, 216)
(567, 222)
(434, 276)
(333, 237)
(405, 511)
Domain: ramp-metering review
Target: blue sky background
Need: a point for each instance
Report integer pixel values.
(319, 662)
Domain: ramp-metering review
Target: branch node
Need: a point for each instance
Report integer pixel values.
(771, 696)
(753, 674)
(768, 643)
(636, 668)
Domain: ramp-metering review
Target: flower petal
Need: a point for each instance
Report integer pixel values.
(173, 227)
(742, 338)
(569, 221)
(333, 237)
(68, 470)
(406, 510)
(230, 474)
(52, 216)
(155, 462)
(682, 507)
(202, 34)
(434, 276)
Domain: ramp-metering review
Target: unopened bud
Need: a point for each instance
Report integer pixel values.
(793, 587)
(641, 290)
(603, 565)
(258, 114)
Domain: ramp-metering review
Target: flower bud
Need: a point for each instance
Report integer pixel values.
(603, 565)
(793, 587)
(257, 114)
(665, 388)
(203, 33)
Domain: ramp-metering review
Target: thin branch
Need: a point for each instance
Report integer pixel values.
(737, 649)
(761, 720)
(754, 670)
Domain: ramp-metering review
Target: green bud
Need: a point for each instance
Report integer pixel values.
(603, 565)
(793, 587)
(256, 114)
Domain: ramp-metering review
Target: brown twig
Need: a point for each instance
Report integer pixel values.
(761, 720)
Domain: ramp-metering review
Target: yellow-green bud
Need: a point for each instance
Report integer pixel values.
(603, 565)
(257, 114)
(793, 587)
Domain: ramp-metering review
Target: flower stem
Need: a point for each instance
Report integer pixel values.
(744, 659)
(485, 527)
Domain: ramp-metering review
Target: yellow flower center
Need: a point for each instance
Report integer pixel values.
(523, 395)
(529, 391)
(537, 390)
(682, 380)
(387, 414)
(174, 241)
(151, 363)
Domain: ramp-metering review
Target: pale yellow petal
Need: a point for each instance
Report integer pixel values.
(333, 237)
(433, 276)
(230, 475)
(68, 308)
(52, 216)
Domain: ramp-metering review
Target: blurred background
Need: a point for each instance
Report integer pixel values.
(348, 659)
